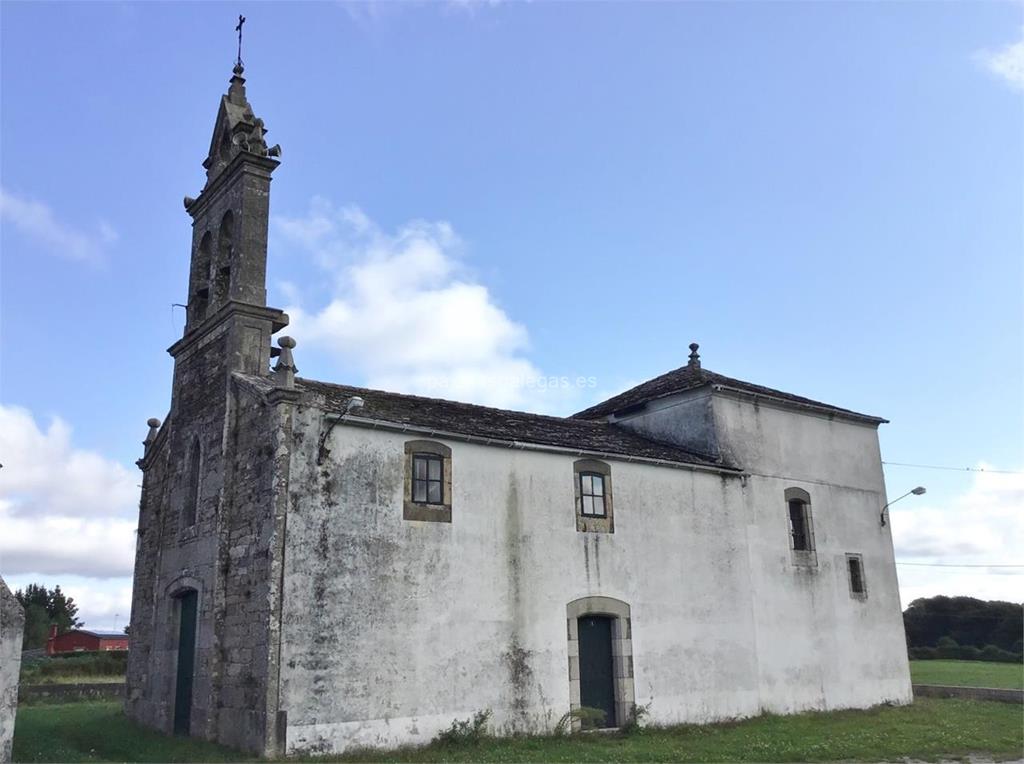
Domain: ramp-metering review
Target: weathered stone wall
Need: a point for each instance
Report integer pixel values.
(12, 624)
(75, 692)
(687, 419)
(811, 634)
(247, 595)
(225, 557)
(172, 557)
(393, 628)
(999, 695)
(819, 647)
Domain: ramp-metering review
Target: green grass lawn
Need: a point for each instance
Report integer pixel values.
(968, 674)
(929, 729)
(100, 732)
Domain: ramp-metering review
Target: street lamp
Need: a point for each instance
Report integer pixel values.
(916, 491)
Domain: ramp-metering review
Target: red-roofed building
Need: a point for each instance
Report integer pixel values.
(81, 640)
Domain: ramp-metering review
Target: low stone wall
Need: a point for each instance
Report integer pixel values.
(12, 621)
(969, 693)
(70, 693)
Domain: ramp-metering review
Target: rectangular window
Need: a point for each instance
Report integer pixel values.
(592, 494)
(427, 479)
(856, 568)
(798, 520)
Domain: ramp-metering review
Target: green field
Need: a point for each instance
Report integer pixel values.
(968, 674)
(929, 729)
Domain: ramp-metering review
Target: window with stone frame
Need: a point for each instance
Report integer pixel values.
(592, 480)
(855, 573)
(427, 479)
(428, 482)
(190, 508)
(801, 526)
(592, 494)
(800, 534)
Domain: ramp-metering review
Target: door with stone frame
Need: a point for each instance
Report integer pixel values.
(616, 615)
(186, 661)
(597, 680)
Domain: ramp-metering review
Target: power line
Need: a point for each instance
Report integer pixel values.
(956, 564)
(953, 469)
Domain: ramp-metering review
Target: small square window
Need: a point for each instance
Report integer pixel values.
(427, 479)
(592, 494)
(592, 484)
(428, 482)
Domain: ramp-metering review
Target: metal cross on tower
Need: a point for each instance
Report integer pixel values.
(241, 20)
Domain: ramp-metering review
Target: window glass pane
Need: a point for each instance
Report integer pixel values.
(856, 579)
(598, 485)
(588, 505)
(434, 471)
(599, 506)
(419, 467)
(434, 492)
(798, 519)
(586, 485)
(419, 490)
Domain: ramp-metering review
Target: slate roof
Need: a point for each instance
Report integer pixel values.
(102, 634)
(690, 377)
(502, 425)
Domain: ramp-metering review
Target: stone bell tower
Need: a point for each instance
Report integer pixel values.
(227, 280)
(201, 616)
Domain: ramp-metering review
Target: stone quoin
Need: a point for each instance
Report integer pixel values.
(322, 567)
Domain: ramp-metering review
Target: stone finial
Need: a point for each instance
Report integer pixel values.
(154, 428)
(284, 371)
(694, 356)
(236, 90)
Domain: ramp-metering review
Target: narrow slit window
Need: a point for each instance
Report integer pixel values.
(191, 509)
(427, 479)
(592, 494)
(800, 525)
(856, 568)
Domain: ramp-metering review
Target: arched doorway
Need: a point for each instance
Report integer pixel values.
(187, 606)
(597, 673)
(601, 657)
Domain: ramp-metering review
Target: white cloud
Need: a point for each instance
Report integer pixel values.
(62, 509)
(43, 474)
(37, 221)
(404, 311)
(984, 525)
(53, 545)
(1006, 63)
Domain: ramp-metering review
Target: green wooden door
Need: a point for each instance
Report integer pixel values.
(597, 683)
(186, 662)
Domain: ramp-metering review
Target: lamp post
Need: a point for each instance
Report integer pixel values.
(916, 491)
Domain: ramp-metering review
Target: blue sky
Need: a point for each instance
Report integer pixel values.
(827, 196)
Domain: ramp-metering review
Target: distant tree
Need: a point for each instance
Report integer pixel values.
(965, 620)
(44, 607)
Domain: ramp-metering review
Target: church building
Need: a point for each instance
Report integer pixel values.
(321, 567)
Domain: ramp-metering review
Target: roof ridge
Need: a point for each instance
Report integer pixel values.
(448, 401)
(690, 377)
(458, 418)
